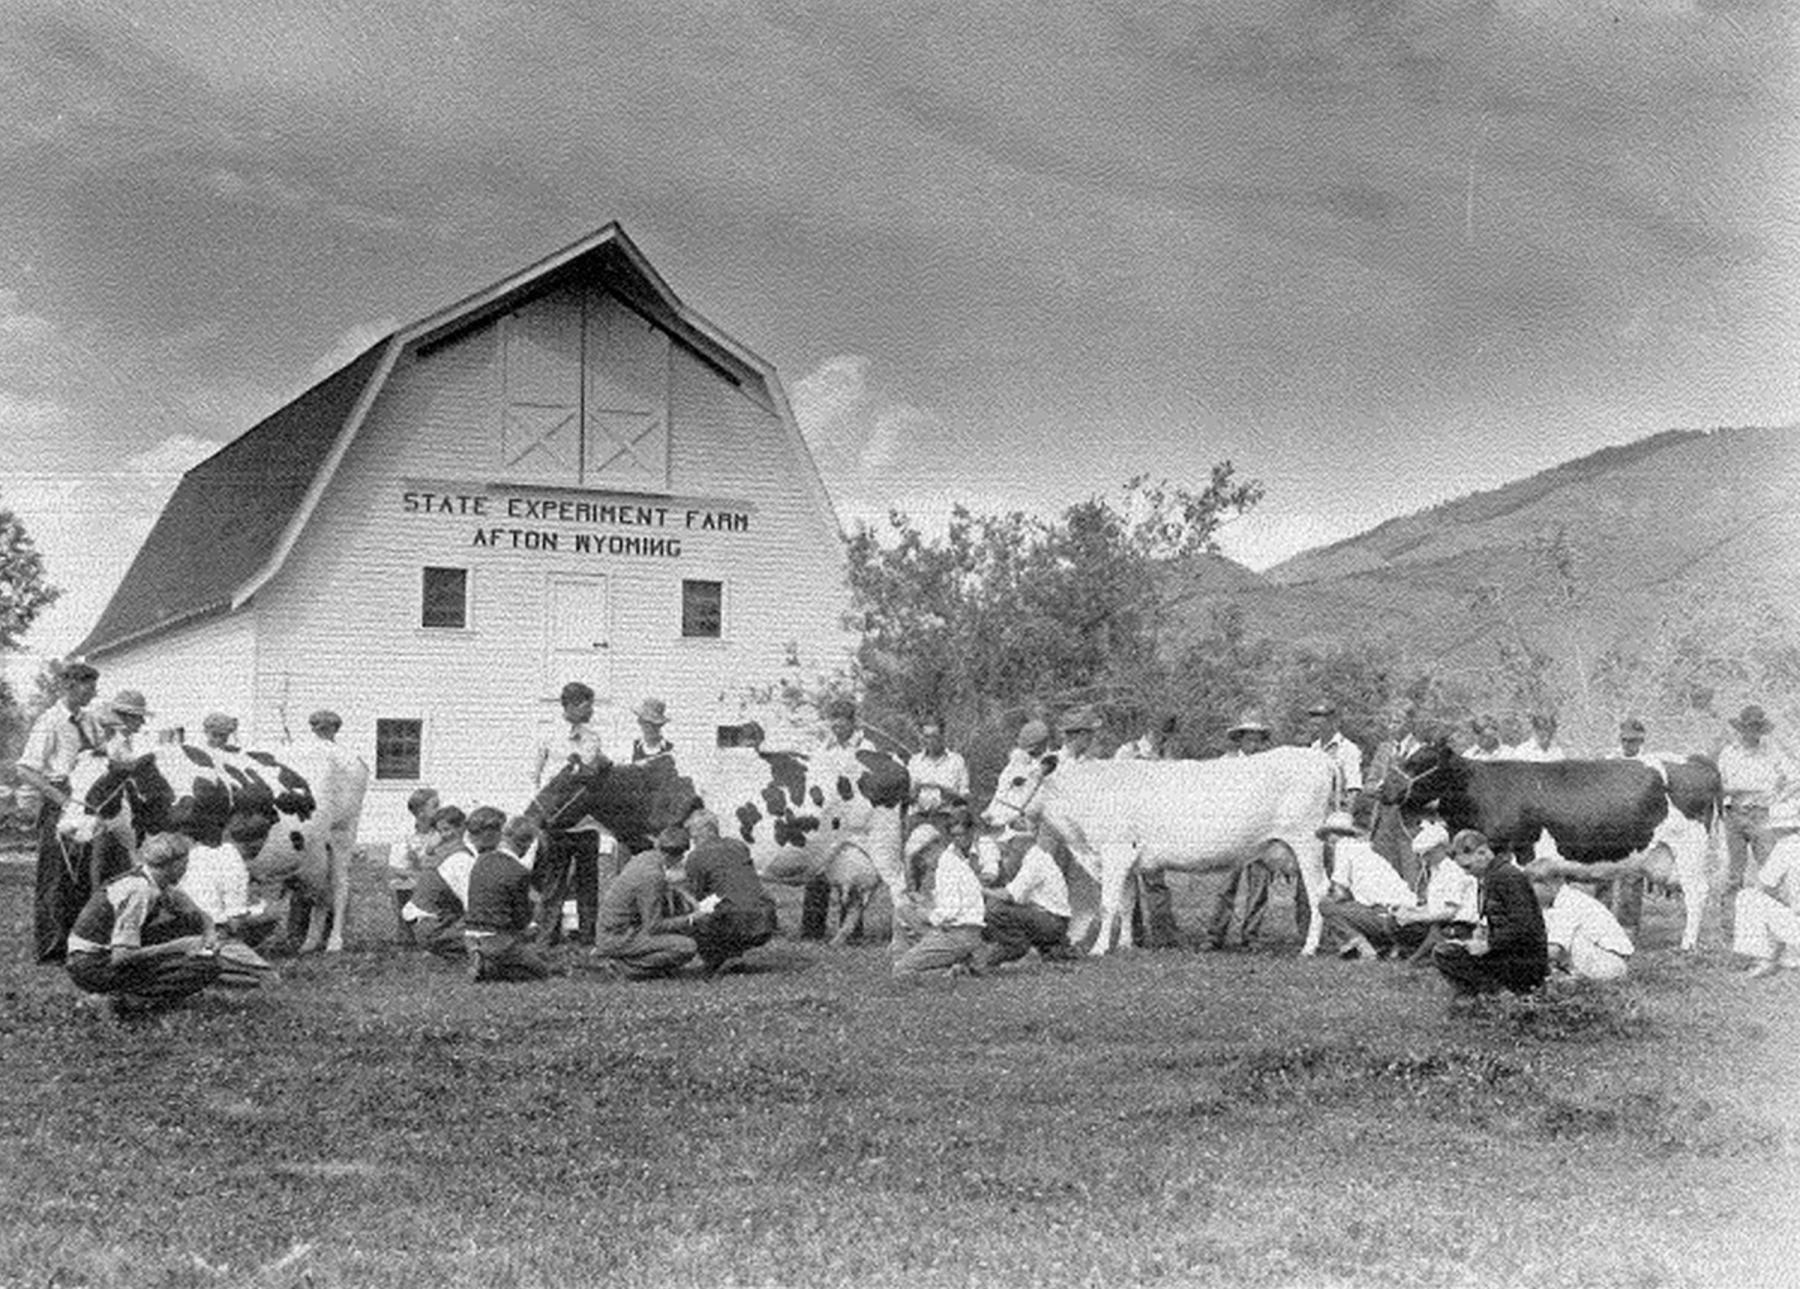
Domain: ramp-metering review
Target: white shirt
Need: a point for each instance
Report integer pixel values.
(217, 881)
(934, 778)
(455, 870)
(1529, 750)
(1576, 915)
(54, 745)
(1347, 757)
(554, 750)
(956, 892)
(1453, 890)
(1782, 869)
(1142, 748)
(1040, 882)
(1479, 753)
(1750, 778)
(1366, 874)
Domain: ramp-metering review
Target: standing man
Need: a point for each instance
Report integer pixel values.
(220, 731)
(744, 917)
(1252, 874)
(639, 938)
(1346, 757)
(58, 737)
(345, 778)
(843, 740)
(1752, 778)
(1152, 744)
(566, 854)
(939, 776)
(126, 744)
(1542, 745)
(1487, 739)
(1631, 740)
(652, 714)
(1387, 827)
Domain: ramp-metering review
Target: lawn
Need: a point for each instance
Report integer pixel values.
(1153, 1118)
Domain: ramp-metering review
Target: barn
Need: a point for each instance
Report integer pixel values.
(569, 475)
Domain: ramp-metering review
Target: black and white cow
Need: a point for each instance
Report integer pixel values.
(193, 790)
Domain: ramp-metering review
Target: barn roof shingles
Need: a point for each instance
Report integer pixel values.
(229, 512)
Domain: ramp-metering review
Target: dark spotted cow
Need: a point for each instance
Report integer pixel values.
(834, 814)
(192, 790)
(1593, 811)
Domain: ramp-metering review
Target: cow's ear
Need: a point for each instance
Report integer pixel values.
(1049, 763)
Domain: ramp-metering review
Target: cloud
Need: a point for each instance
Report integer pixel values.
(21, 415)
(856, 431)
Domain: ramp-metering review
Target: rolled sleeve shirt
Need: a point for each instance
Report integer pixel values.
(1370, 879)
(1041, 883)
(956, 893)
(217, 881)
(576, 743)
(1750, 778)
(949, 774)
(1347, 758)
(57, 739)
(1575, 915)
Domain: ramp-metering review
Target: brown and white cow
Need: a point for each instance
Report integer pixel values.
(194, 790)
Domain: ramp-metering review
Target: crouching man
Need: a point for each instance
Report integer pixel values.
(497, 930)
(1031, 911)
(638, 936)
(218, 880)
(1364, 907)
(1767, 929)
(1508, 949)
(953, 928)
(139, 943)
(745, 915)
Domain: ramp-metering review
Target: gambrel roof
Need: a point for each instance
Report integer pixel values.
(235, 517)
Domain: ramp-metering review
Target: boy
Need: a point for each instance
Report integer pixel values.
(497, 929)
(139, 942)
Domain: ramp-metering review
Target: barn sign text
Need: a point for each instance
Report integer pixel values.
(661, 526)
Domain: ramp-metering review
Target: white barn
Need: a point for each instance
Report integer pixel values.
(570, 475)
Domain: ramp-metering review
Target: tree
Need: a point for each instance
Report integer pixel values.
(24, 590)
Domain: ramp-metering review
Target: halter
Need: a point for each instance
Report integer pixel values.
(1413, 780)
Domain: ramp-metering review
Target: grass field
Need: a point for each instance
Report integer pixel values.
(1154, 1118)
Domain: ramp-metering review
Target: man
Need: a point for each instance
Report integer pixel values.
(497, 928)
(1029, 912)
(440, 897)
(568, 855)
(652, 714)
(1752, 777)
(57, 739)
(1450, 904)
(1386, 822)
(1252, 874)
(344, 778)
(1626, 896)
(140, 943)
(1365, 895)
(744, 917)
(1346, 757)
(1487, 739)
(638, 937)
(1768, 928)
(1631, 739)
(217, 879)
(1152, 744)
(219, 730)
(953, 929)
(126, 743)
(1542, 745)
(837, 754)
(1585, 940)
(1509, 949)
(939, 776)
(1030, 749)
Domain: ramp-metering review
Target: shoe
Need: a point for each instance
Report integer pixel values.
(1766, 967)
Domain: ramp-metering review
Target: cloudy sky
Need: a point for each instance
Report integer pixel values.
(1377, 253)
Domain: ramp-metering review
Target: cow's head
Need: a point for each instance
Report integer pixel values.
(1427, 774)
(132, 799)
(1016, 798)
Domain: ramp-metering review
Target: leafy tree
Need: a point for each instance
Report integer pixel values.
(24, 590)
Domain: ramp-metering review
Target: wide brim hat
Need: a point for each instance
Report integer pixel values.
(129, 702)
(652, 711)
(1337, 824)
(1324, 707)
(1081, 718)
(1752, 719)
(1249, 723)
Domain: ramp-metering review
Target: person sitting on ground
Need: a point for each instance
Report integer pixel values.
(439, 903)
(497, 930)
(217, 879)
(1767, 928)
(1508, 949)
(1031, 911)
(951, 936)
(1585, 940)
(744, 917)
(409, 856)
(1451, 901)
(1365, 894)
(449, 823)
(139, 942)
(638, 937)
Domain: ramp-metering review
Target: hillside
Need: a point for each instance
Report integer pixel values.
(1663, 575)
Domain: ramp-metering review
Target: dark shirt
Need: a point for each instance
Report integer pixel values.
(1515, 922)
(636, 900)
(723, 867)
(433, 895)
(499, 893)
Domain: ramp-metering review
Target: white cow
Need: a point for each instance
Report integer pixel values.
(1194, 816)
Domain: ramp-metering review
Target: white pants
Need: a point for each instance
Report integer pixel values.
(1765, 926)
(1589, 961)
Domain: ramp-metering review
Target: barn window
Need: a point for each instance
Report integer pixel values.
(398, 748)
(702, 609)
(445, 602)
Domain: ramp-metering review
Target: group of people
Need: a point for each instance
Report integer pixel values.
(490, 891)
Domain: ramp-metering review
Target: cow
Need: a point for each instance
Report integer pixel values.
(836, 814)
(180, 788)
(1195, 816)
(837, 817)
(1594, 811)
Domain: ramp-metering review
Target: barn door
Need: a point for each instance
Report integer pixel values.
(578, 631)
